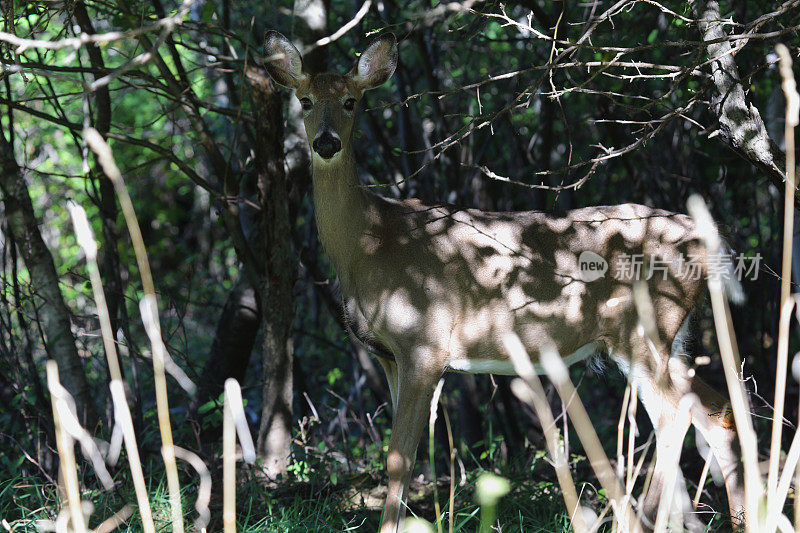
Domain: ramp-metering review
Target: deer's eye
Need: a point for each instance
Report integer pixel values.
(306, 103)
(350, 104)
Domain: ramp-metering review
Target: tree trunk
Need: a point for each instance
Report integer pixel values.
(740, 123)
(277, 280)
(241, 317)
(109, 259)
(24, 227)
(233, 342)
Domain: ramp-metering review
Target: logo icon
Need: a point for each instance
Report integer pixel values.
(592, 266)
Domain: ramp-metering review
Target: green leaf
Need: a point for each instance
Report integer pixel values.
(334, 375)
(211, 404)
(652, 37)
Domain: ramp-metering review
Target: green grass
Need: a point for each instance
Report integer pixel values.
(323, 492)
(313, 506)
(533, 505)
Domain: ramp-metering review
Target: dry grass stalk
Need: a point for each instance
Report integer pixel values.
(204, 490)
(729, 353)
(702, 482)
(85, 238)
(66, 454)
(626, 398)
(150, 316)
(452, 496)
(790, 91)
(792, 120)
(529, 390)
(621, 504)
(431, 425)
(122, 415)
(68, 418)
(228, 469)
(638, 470)
(233, 422)
(114, 521)
(782, 491)
(233, 394)
(631, 473)
(781, 368)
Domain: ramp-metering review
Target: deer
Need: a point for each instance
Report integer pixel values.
(436, 288)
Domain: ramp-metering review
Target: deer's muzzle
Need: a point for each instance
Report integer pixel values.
(327, 145)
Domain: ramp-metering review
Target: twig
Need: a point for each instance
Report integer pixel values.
(84, 39)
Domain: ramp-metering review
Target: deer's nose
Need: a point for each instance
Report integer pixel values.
(327, 145)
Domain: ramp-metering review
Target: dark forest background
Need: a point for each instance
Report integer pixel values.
(527, 104)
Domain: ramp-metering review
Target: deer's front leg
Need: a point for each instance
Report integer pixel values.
(411, 412)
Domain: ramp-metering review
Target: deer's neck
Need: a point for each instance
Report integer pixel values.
(340, 205)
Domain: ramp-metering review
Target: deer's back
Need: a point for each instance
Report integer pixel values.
(460, 278)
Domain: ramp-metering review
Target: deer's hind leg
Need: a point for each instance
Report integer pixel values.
(713, 419)
(662, 382)
(662, 406)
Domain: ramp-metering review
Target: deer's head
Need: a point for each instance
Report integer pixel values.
(329, 100)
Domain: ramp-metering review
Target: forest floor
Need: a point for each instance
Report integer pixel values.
(327, 502)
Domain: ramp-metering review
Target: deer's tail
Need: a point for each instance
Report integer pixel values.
(720, 261)
(731, 284)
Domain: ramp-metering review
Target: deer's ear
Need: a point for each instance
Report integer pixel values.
(376, 65)
(283, 61)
